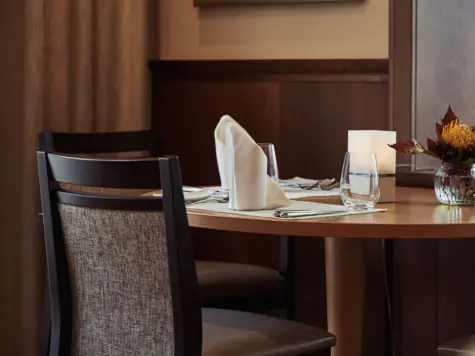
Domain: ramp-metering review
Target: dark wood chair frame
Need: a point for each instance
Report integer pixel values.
(142, 173)
(88, 143)
(143, 141)
(99, 142)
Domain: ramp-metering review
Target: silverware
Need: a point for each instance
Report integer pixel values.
(289, 215)
(330, 186)
(218, 199)
(310, 187)
(289, 184)
(290, 209)
(199, 201)
(324, 184)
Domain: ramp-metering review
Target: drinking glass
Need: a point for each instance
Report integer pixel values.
(272, 169)
(359, 185)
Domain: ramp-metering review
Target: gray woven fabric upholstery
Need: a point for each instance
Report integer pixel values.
(118, 265)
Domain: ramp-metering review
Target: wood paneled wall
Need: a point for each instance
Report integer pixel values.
(305, 108)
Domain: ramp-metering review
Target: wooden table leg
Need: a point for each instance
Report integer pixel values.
(345, 275)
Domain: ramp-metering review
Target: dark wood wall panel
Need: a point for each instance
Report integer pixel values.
(189, 112)
(310, 296)
(415, 296)
(315, 119)
(456, 286)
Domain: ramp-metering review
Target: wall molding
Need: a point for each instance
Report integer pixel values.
(325, 70)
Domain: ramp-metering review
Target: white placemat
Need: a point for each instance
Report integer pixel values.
(314, 207)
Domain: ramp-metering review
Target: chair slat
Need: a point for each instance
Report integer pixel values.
(111, 202)
(139, 173)
(98, 142)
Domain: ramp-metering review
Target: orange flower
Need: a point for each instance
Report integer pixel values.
(458, 135)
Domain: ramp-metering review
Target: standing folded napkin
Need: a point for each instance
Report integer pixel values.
(243, 169)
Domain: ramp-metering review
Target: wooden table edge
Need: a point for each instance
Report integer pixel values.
(331, 228)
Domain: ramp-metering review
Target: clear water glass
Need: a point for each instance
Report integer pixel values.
(359, 185)
(272, 168)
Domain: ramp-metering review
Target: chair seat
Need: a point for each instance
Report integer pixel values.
(234, 333)
(462, 346)
(221, 280)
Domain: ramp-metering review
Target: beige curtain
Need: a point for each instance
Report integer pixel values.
(69, 65)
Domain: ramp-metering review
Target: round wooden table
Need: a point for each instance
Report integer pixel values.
(415, 214)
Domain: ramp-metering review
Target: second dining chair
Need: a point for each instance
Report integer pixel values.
(122, 276)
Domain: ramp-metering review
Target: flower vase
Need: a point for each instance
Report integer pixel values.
(455, 184)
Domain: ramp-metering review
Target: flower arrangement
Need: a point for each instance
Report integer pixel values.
(455, 143)
(454, 181)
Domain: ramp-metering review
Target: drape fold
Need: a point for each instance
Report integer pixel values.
(75, 65)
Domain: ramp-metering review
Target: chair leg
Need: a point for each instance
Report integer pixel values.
(45, 341)
(46, 330)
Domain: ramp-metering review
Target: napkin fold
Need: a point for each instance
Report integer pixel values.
(243, 169)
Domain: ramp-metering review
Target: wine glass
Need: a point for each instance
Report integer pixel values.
(272, 168)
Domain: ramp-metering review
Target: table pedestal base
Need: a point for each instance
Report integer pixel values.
(345, 276)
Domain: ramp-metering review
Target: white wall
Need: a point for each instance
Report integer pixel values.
(316, 31)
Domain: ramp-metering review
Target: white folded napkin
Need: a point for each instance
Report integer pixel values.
(243, 169)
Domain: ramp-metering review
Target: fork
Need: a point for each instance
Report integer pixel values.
(325, 184)
(221, 199)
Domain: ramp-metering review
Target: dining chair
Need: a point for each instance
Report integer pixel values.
(227, 285)
(121, 271)
(461, 346)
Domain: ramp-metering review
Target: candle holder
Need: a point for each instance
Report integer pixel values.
(376, 142)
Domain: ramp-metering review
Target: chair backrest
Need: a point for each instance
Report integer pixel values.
(99, 142)
(93, 144)
(121, 270)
